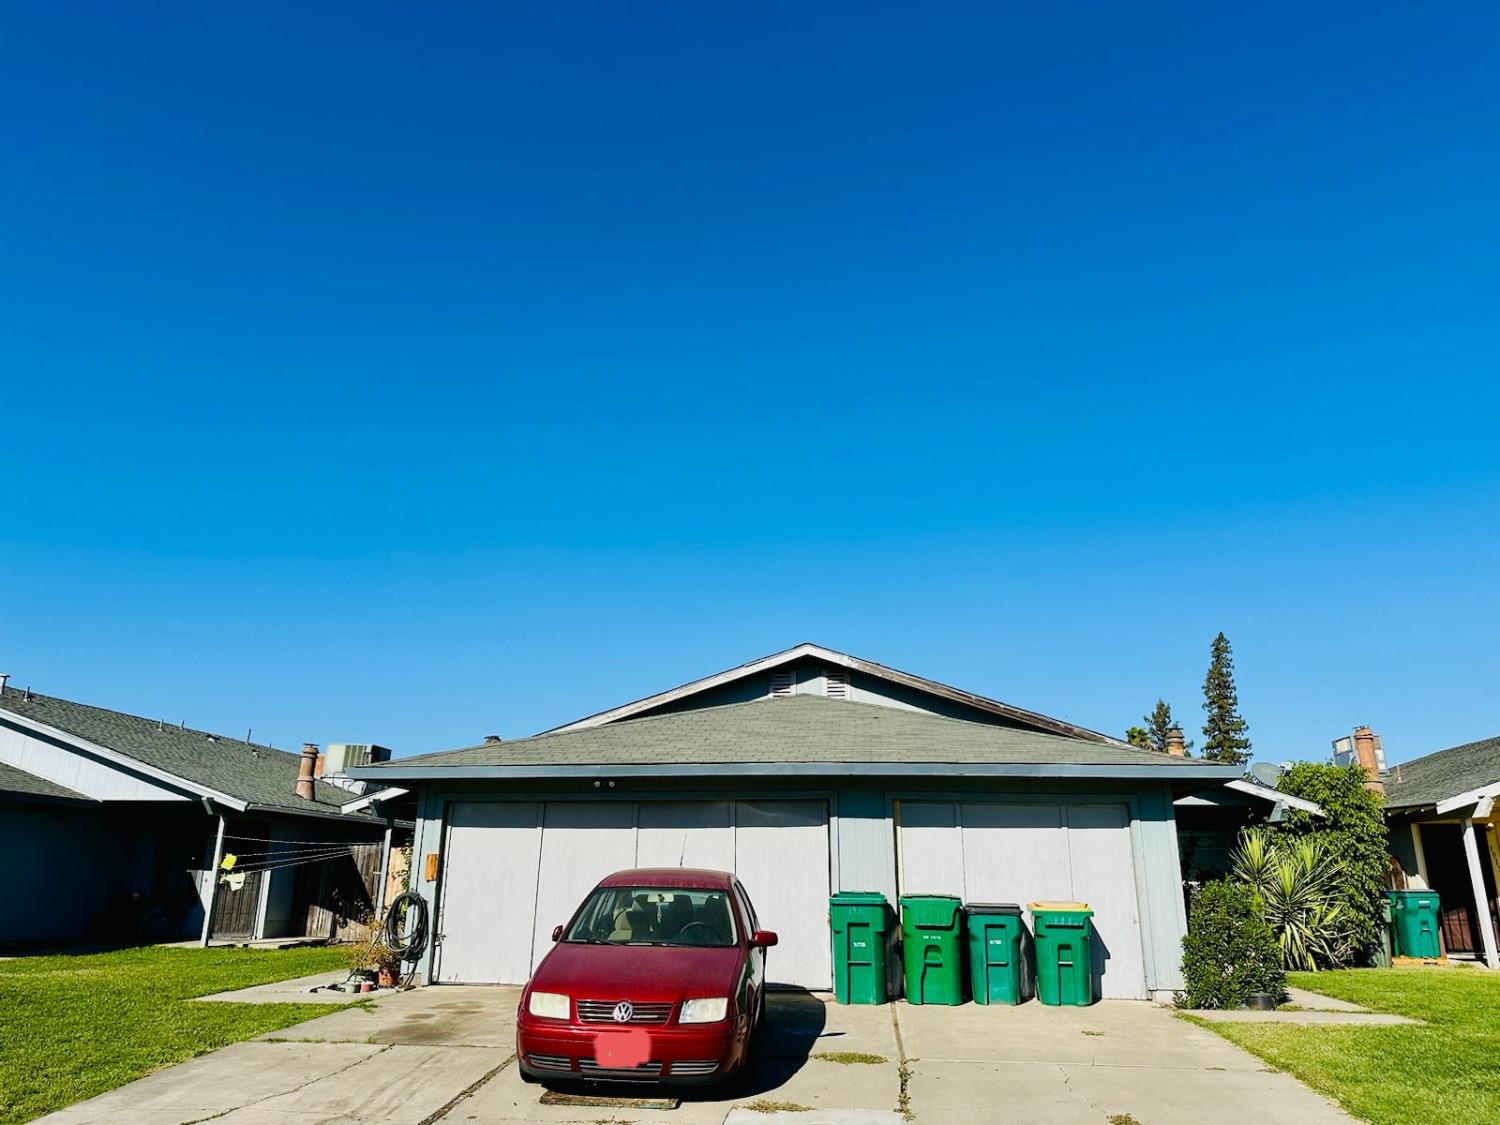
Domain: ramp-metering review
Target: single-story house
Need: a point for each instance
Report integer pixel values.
(1443, 824)
(111, 825)
(1210, 821)
(805, 772)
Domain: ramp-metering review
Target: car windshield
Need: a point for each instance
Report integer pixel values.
(654, 916)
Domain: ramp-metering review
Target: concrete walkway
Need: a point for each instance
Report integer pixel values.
(299, 990)
(445, 1055)
(1310, 1008)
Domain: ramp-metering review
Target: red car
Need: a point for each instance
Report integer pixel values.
(658, 977)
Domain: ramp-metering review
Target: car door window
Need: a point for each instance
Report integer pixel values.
(752, 923)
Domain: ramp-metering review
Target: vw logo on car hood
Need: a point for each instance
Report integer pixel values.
(623, 1012)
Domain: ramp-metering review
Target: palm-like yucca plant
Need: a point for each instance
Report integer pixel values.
(1296, 883)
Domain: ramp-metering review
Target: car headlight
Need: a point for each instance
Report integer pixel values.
(708, 1010)
(549, 1005)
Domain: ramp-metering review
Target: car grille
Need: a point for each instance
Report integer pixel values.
(550, 1062)
(645, 1072)
(693, 1067)
(603, 1011)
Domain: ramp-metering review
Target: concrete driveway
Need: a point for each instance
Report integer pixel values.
(445, 1055)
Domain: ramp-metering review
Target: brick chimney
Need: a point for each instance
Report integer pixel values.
(1364, 751)
(1175, 746)
(307, 769)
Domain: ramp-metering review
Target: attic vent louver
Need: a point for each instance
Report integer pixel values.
(837, 683)
(783, 684)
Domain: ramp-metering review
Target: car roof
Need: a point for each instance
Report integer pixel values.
(686, 878)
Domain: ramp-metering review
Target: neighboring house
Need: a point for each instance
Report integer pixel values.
(806, 772)
(109, 825)
(1209, 823)
(1442, 815)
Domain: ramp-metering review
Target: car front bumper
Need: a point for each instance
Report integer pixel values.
(692, 1055)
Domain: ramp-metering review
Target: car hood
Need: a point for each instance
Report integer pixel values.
(637, 972)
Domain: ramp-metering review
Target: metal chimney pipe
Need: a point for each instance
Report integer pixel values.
(306, 770)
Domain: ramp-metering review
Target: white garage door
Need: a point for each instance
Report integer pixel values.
(514, 870)
(489, 889)
(994, 852)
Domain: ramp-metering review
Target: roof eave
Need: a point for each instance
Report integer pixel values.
(326, 812)
(29, 798)
(389, 793)
(1209, 774)
(124, 761)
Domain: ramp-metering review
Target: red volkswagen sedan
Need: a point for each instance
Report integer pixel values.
(658, 977)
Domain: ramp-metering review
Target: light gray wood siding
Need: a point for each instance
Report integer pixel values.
(862, 842)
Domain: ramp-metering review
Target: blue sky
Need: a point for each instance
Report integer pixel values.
(380, 374)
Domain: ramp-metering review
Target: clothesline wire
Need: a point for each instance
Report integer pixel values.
(257, 861)
(252, 868)
(288, 851)
(265, 840)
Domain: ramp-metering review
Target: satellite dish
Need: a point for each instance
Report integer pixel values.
(1267, 773)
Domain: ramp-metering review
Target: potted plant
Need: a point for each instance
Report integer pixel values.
(375, 960)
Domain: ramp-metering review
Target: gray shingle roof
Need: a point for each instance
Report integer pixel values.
(19, 782)
(1446, 773)
(257, 775)
(801, 730)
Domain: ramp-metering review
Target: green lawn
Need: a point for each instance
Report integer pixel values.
(1447, 1071)
(73, 1027)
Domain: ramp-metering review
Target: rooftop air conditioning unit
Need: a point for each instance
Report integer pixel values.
(1344, 753)
(340, 757)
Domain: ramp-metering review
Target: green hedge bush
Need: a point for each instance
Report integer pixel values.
(1230, 951)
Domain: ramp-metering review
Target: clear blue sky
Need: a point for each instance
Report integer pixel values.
(376, 373)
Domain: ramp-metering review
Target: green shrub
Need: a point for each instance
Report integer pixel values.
(1298, 891)
(1230, 951)
(1355, 833)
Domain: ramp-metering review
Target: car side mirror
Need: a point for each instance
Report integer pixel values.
(763, 939)
(557, 933)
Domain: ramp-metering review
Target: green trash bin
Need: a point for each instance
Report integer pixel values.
(997, 961)
(930, 949)
(1416, 923)
(862, 931)
(1064, 952)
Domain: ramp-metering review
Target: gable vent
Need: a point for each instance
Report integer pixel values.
(783, 684)
(836, 681)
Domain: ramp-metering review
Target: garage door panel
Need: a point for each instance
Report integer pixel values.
(994, 851)
(1014, 853)
(781, 856)
(685, 834)
(1104, 877)
(931, 849)
(489, 891)
(514, 870)
(582, 842)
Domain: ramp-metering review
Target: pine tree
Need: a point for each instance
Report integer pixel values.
(1224, 733)
(1158, 723)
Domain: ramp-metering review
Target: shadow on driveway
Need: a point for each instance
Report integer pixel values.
(794, 1024)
